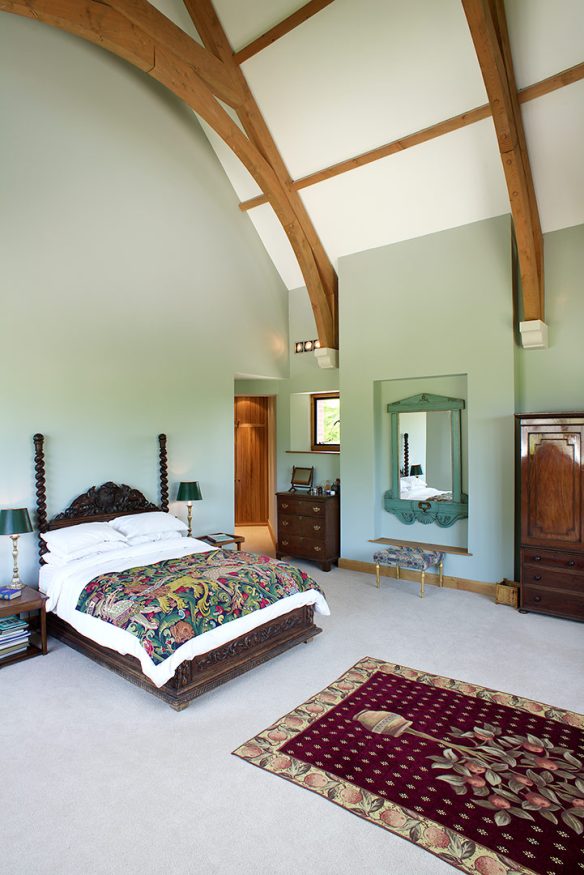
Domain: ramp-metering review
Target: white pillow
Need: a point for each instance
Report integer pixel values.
(411, 482)
(154, 522)
(86, 535)
(59, 557)
(155, 536)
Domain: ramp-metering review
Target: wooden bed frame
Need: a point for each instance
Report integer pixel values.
(205, 671)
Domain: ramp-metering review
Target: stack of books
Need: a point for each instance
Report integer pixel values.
(14, 635)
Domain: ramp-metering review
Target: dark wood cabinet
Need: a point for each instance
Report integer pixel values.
(308, 527)
(551, 513)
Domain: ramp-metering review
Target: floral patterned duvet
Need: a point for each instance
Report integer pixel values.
(167, 603)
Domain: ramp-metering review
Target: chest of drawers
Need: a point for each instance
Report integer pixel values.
(308, 527)
(552, 582)
(551, 513)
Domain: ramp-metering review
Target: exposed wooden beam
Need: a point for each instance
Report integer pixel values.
(437, 130)
(103, 25)
(470, 117)
(279, 30)
(552, 83)
(216, 75)
(322, 283)
(130, 29)
(488, 28)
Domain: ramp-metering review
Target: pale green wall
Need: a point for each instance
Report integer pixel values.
(436, 305)
(305, 377)
(553, 379)
(132, 287)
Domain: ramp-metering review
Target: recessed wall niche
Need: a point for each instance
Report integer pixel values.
(326, 465)
(427, 450)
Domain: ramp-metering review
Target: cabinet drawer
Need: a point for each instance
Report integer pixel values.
(553, 559)
(539, 575)
(548, 601)
(309, 527)
(298, 546)
(301, 506)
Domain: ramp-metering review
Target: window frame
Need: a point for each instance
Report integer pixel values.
(315, 397)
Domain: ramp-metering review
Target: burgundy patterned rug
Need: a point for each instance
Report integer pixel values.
(489, 782)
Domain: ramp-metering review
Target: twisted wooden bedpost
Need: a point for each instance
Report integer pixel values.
(406, 454)
(41, 491)
(163, 472)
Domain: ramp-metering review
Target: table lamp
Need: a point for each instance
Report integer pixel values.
(416, 470)
(189, 491)
(14, 522)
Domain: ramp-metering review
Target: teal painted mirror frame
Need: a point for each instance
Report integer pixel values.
(444, 513)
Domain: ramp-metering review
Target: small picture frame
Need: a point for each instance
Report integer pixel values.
(301, 478)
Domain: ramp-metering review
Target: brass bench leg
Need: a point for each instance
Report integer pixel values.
(422, 584)
(377, 580)
(397, 571)
(442, 573)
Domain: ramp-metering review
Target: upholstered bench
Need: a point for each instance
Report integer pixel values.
(413, 558)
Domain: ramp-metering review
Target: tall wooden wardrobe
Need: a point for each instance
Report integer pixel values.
(551, 513)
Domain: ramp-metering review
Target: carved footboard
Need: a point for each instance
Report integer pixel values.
(207, 671)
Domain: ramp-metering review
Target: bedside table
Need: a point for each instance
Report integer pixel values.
(29, 600)
(233, 539)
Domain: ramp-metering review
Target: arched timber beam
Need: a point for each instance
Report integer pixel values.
(215, 40)
(138, 33)
(488, 28)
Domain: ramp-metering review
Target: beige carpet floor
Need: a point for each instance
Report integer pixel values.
(98, 777)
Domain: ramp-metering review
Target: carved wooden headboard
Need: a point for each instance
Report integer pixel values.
(99, 503)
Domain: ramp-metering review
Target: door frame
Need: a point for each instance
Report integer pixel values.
(271, 458)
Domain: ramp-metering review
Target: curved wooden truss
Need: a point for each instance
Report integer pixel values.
(136, 31)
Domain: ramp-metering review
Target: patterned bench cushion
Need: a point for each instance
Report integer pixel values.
(408, 557)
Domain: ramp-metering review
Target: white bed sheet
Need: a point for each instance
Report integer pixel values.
(421, 494)
(63, 585)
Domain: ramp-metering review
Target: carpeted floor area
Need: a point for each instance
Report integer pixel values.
(98, 777)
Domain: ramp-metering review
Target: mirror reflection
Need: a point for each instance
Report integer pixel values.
(426, 455)
(426, 466)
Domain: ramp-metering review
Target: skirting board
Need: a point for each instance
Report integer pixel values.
(479, 586)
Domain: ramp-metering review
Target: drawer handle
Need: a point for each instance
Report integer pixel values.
(537, 576)
(316, 528)
(316, 509)
(317, 549)
(537, 598)
(537, 558)
(571, 563)
(285, 543)
(285, 522)
(284, 504)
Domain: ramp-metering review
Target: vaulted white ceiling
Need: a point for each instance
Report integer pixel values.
(361, 73)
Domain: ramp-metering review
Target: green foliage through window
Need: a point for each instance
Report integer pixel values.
(326, 421)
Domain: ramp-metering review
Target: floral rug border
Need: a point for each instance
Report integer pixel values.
(447, 844)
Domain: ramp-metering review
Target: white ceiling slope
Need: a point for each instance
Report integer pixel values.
(361, 73)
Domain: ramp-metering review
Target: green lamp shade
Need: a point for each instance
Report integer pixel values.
(416, 470)
(189, 491)
(14, 521)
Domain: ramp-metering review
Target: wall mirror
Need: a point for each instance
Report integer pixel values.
(426, 460)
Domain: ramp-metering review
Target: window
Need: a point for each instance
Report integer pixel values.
(325, 422)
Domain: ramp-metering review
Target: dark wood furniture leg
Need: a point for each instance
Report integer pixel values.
(43, 624)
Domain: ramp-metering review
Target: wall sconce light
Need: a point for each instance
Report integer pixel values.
(306, 345)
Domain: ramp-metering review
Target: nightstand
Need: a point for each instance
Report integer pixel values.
(233, 539)
(30, 600)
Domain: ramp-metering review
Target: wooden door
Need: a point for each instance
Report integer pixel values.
(551, 484)
(251, 461)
